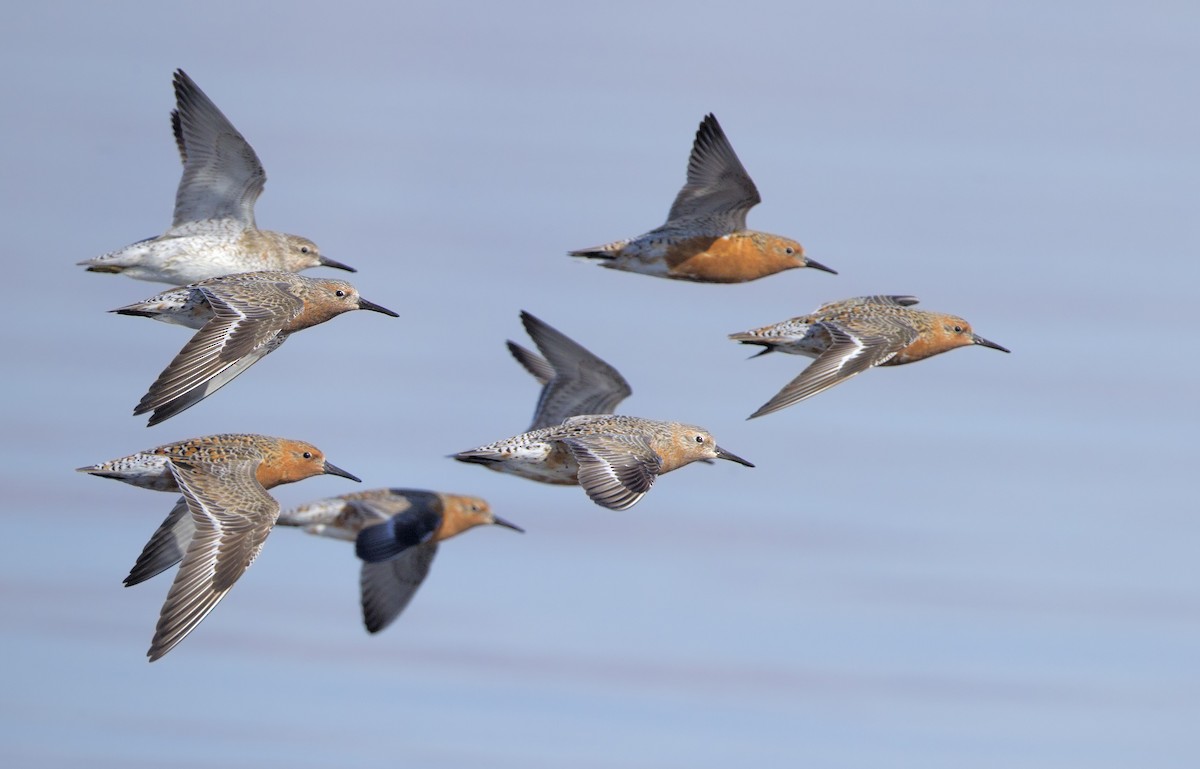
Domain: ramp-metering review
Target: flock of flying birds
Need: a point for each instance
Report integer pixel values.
(240, 291)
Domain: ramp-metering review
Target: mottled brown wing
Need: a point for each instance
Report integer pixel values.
(246, 326)
(232, 515)
(893, 300)
(851, 352)
(615, 470)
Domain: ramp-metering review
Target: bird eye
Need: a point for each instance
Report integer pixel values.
(789, 250)
(699, 439)
(308, 455)
(340, 292)
(958, 329)
(304, 249)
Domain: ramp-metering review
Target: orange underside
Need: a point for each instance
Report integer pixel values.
(454, 521)
(271, 474)
(725, 260)
(925, 346)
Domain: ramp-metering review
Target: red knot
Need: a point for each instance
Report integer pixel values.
(240, 318)
(213, 231)
(574, 381)
(614, 458)
(223, 520)
(705, 238)
(397, 533)
(853, 335)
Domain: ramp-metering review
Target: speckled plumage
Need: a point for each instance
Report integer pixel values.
(705, 238)
(223, 521)
(852, 335)
(614, 458)
(213, 231)
(240, 318)
(574, 380)
(397, 533)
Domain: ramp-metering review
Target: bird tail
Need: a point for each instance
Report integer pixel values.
(606, 251)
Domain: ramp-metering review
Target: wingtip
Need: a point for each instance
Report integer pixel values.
(708, 123)
(158, 650)
(763, 410)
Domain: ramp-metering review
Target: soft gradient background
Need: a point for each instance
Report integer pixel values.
(979, 561)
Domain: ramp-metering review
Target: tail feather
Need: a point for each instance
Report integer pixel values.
(478, 457)
(766, 346)
(606, 251)
(131, 310)
(594, 253)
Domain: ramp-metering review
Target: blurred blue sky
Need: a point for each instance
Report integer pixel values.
(983, 560)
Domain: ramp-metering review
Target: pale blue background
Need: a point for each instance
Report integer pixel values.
(979, 561)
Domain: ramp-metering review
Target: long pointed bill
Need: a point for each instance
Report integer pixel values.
(501, 522)
(363, 304)
(332, 469)
(818, 266)
(326, 261)
(980, 340)
(723, 454)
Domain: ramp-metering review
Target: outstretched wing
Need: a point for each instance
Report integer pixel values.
(241, 332)
(535, 364)
(232, 514)
(222, 176)
(388, 586)
(848, 354)
(166, 546)
(718, 186)
(581, 383)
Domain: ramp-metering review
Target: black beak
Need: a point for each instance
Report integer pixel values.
(363, 304)
(980, 340)
(818, 266)
(723, 454)
(332, 469)
(501, 522)
(326, 261)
